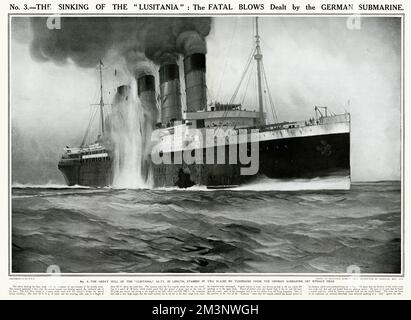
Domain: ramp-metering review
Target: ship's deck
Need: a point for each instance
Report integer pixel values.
(339, 118)
(181, 137)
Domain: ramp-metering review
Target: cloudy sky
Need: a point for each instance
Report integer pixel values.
(308, 61)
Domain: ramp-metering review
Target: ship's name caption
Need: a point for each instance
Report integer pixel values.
(200, 8)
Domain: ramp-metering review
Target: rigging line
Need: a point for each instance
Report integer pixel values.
(235, 94)
(273, 111)
(95, 95)
(269, 94)
(88, 124)
(247, 84)
(95, 91)
(266, 101)
(250, 59)
(249, 62)
(226, 58)
(274, 116)
(93, 119)
(256, 91)
(90, 117)
(93, 114)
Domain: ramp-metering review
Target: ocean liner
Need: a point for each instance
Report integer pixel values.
(89, 164)
(195, 146)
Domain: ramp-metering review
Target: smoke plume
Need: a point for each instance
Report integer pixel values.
(86, 41)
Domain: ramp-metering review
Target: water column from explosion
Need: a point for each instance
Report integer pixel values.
(126, 135)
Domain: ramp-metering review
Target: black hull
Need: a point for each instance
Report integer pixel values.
(306, 157)
(299, 157)
(92, 174)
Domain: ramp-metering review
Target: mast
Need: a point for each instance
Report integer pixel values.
(101, 105)
(258, 57)
(101, 99)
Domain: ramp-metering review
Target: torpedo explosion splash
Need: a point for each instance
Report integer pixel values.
(125, 126)
(138, 43)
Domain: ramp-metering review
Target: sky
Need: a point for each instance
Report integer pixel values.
(308, 61)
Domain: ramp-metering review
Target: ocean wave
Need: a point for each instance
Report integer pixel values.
(268, 184)
(46, 186)
(326, 183)
(107, 230)
(192, 188)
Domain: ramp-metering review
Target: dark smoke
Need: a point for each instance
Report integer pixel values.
(163, 43)
(87, 40)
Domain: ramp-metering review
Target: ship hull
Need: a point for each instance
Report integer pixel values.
(92, 174)
(306, 157)
(291, 157)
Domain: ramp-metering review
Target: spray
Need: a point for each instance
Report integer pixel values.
(127, 137)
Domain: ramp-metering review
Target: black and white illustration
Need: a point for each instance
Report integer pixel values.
(224, 144)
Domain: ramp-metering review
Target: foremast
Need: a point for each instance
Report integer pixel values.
(101, 99)
(101, 105)
(258, 56)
